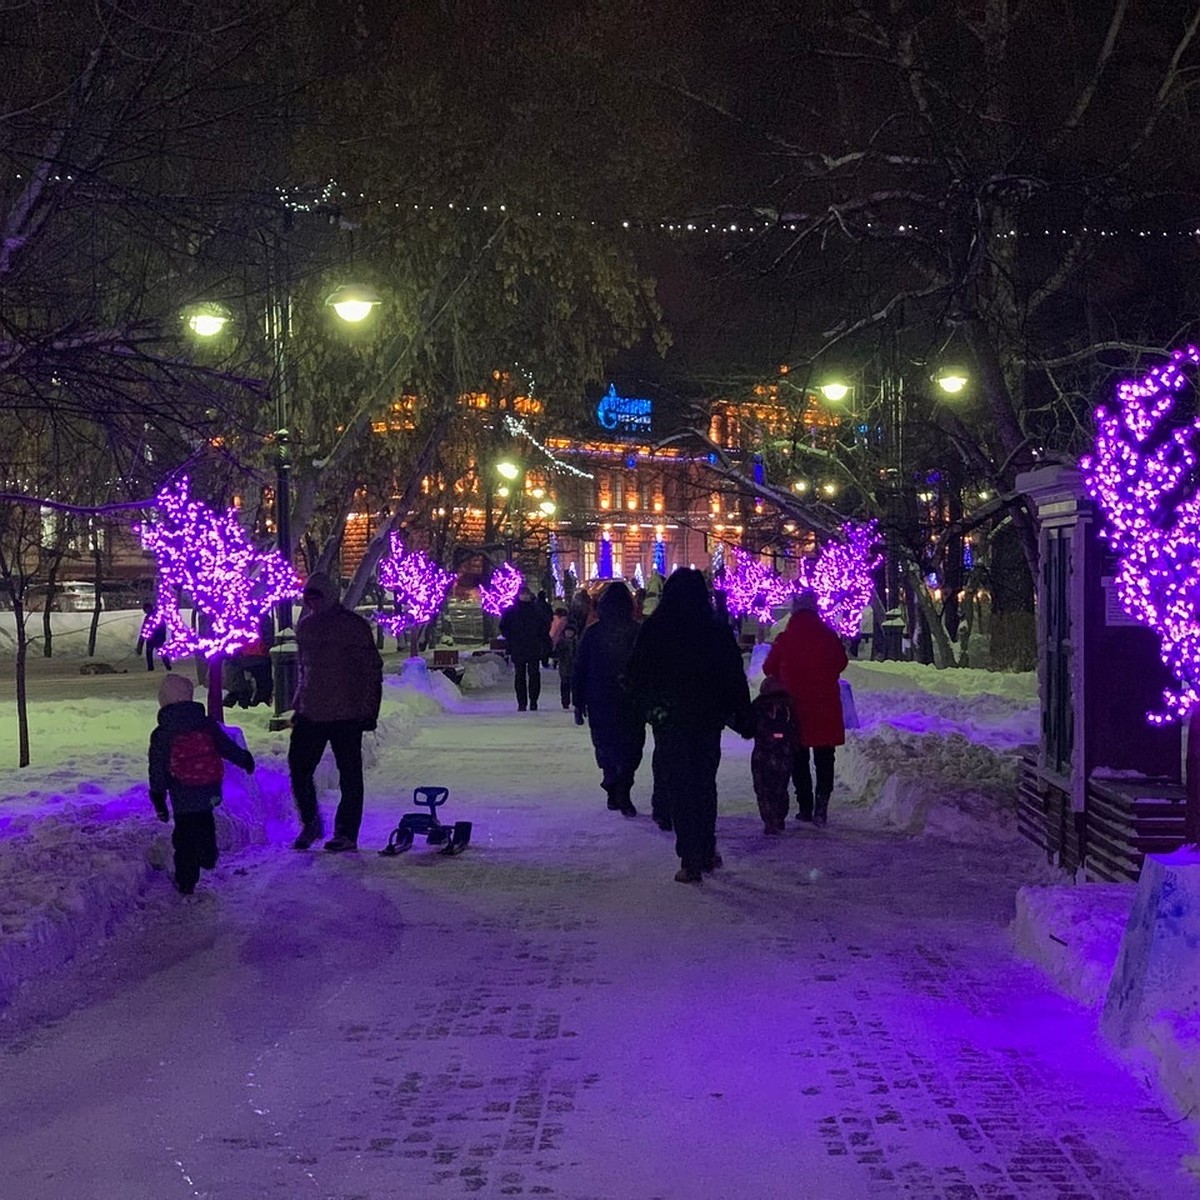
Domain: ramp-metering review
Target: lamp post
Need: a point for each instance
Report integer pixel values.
(351, 303)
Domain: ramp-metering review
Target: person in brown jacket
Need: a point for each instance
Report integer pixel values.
(807, 658)
(337, 701)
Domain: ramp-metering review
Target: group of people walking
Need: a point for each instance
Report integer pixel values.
(681, 672)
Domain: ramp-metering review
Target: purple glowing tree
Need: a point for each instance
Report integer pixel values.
(1142, 473)
(419, 585)
(751, 587)
(501, 592)
(842, 576)
(208, 558)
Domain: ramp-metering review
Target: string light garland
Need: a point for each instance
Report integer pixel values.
(1142, 475)
(332, 197)
(518, 428)
(209, 558)
(419, 584)
(501, 591)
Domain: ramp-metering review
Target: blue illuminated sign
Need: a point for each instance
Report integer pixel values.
(622, 414)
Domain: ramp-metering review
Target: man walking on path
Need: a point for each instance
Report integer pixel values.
(526, 632)
(337, 700)
(807, 659)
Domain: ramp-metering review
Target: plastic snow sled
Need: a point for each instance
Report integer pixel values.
(452, 838)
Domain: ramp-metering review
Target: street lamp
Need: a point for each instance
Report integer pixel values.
(834, 391)
(952, 381)
(508, 470)
(352, 303)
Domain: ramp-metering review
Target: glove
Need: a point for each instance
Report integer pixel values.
(369, 725)
(160, 809)
(579, 716)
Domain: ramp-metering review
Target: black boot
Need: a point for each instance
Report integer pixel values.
(821, 809)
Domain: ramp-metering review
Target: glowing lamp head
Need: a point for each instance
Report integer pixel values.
(834, 391)
(507, 470)
(207, 320)
(548, 508)
(952, 382)
(353, 302)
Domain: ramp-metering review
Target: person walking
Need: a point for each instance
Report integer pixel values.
(616, 724)
(807, 658)
(776, 739)
(152, 641)
(686, 673)
(546, 609)
(526, 632)
(188, 750)
(566, 649)
(337, 700)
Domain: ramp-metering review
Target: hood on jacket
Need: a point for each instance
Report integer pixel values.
(181, 716)
(323, 586)
(772, 687)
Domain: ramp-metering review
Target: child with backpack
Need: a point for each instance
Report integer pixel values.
(187, 750)
(776, 736)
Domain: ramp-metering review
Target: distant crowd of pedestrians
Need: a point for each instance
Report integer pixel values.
(678, 668)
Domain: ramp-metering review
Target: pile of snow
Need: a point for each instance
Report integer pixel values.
(1073, 934)
(482, 671)
(79, 843)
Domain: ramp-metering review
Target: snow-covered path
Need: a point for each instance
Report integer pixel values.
(830, 1015)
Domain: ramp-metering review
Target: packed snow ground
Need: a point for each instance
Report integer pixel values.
(835, 1014)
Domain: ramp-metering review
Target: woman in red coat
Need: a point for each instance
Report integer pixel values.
(807, 659)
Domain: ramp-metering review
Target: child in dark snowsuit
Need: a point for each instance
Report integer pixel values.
(186, 752)
(564, 654)
(776, 736)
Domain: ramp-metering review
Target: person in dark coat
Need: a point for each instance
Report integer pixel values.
(152, 641)
(526, 632)
(337, 701)
(686, 673)
(547, 610)
(807, 659)
(187, 753)
(617, 727)
(776, 740)
(566, 650)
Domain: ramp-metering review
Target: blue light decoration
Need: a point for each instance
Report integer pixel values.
(639, 578)
(555, 565)
(968, 555)
(660, 558)
(718, 559)
(623, 414)
(760, 472)
(604, 560)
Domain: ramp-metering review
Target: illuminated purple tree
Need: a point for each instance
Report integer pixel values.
(842, 576)
(208, 558)
(751, 587)
(419, 585)
(501, 592)
(1143, 475)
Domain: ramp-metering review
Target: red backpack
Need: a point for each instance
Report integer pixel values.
(194, 759)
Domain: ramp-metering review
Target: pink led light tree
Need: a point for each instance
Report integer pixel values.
(842, 576)
(420, 587)
(501, 592)
(1142, 475)
(207, 557)
(751, 587)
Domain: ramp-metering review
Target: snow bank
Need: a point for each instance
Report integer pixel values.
(80, 847)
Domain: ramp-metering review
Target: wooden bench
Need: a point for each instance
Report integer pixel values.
(445, 658)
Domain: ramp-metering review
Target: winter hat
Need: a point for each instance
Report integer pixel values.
(324, 586)
(174, 689)
(615, 602)
(524, 594)
(806, 601)
(771, 686)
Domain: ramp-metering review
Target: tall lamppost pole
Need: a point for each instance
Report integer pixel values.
(351, 303)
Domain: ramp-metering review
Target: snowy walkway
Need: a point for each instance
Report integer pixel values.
(831, 1015)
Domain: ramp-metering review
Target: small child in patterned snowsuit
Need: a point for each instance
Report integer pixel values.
(776, 736)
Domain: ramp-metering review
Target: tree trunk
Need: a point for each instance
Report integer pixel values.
(22, 703)
(216, 695)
